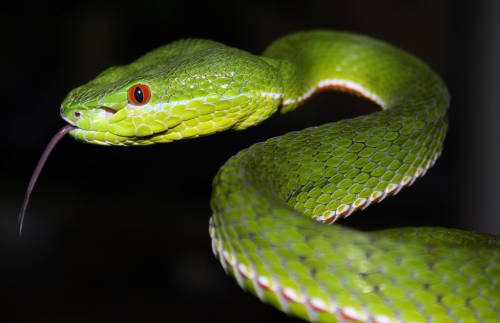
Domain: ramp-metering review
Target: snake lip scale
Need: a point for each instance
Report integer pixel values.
(109, 111)
(271, 201)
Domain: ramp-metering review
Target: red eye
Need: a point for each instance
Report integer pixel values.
(139, 94)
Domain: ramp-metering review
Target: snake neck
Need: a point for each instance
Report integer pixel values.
(313, 61)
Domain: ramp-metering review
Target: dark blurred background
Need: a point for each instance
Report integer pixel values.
(121, 234)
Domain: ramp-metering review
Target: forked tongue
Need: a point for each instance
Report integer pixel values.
(38, 169)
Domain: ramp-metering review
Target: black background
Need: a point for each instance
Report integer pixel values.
(121, 234)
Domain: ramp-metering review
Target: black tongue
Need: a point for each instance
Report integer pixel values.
(38, 169)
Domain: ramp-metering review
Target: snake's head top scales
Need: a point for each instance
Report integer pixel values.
(182, 90)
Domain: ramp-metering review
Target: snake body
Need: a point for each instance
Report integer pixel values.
(271, 201)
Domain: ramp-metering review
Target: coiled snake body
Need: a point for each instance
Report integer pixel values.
(268, 199)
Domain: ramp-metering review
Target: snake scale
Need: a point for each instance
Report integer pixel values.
(272, 200)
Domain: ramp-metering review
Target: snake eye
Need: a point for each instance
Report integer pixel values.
(139, 94)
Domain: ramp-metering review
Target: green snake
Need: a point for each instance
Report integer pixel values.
(272, 200)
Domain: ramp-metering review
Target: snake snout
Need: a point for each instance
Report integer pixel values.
(80, 116)
(71, 117)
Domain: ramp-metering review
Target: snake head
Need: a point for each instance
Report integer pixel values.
(186, 89)
(113, 108)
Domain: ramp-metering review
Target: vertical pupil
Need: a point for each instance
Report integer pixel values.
(138, 95)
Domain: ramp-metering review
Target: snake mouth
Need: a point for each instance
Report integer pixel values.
(109, 112)
(75, 115)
